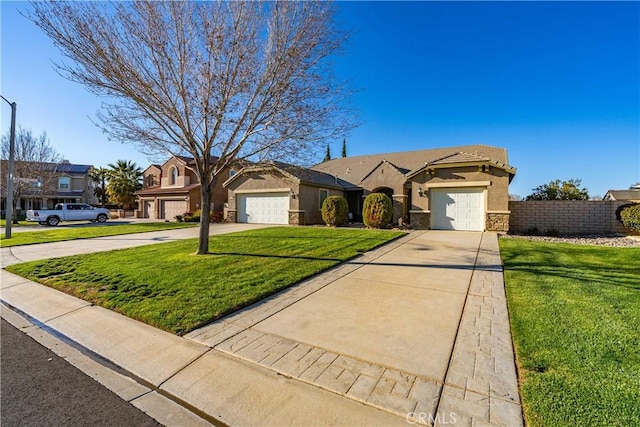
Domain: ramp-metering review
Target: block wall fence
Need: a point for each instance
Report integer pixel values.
(566, 216)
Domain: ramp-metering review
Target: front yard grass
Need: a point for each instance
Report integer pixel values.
(47, 235)
(575, 319)
(167, 286)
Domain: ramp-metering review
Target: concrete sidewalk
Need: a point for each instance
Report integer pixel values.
(18, 254)
(415, 331)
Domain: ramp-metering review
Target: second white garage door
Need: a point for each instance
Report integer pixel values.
(171, 208)
(457, 209)
(263, 208)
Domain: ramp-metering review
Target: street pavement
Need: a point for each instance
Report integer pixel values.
(39, 388)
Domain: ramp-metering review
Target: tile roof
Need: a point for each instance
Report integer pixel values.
(355, 169)
(459, 157)
(624, 194)
(166, 190)
(302, 174)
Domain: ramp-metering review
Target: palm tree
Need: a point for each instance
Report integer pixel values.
(125, 178)
(100, 176)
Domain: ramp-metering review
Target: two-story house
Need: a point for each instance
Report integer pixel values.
(40, 185)
(172, 189)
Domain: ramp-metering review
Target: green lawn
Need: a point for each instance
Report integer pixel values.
(48, 234)
(20, 223)
(575, 318)
(167, 286)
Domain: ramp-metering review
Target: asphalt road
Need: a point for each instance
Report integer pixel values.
(38, 388)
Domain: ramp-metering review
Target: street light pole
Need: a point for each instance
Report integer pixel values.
(12, 148)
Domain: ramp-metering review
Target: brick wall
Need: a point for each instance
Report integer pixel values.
(566, 216)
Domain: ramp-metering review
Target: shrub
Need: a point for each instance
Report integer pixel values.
(631, 217)
(216, 217)
(179, 218)
(335, 211)
(192, 217)
(377, 210)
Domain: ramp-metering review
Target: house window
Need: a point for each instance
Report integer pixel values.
(64, 183)
(150, 181)
(323, 195)
(173, 176)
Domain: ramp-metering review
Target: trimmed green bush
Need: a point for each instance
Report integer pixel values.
(192, 217)
(377, 210)
(631, 217)
(335, 211)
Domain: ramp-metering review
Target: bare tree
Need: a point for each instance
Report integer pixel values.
(220, 81)
(35, 165)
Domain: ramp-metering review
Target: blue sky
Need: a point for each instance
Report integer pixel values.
(556, 83)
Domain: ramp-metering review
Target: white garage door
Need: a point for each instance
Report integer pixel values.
(263, 208)
(457, 209)
(171, 208)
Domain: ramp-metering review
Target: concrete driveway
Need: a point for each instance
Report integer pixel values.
(392, 331)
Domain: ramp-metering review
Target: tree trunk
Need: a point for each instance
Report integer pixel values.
(205, 210)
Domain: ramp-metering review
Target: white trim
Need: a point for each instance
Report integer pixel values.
(498, 212)
(456, 184)
(419, 211)
(265, 190)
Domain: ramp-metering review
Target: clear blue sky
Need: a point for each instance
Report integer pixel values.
(556, 83)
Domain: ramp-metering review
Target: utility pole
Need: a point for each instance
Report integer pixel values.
(12, 148)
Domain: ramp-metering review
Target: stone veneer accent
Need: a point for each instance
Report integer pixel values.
(497, 221)
(398, 207)
(232, 215)
(296, 217)
(420, 219)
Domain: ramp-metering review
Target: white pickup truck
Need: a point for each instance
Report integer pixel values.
(68, 212)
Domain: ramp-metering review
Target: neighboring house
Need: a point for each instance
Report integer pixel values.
(458, 188)
(172, 189)
(56, 183)
(632, 195)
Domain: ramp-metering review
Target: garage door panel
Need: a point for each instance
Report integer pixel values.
(264, 208)
(457, 209)
(171, 208)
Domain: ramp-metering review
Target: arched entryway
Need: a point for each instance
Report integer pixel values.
(384, 190)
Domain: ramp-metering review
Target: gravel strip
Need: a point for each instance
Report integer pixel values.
(597, 240)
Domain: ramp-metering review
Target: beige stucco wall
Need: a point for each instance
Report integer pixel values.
(265, 181)
(151, 170)
(185, 175)
(497, 192)
(309, 200)
(384, 176)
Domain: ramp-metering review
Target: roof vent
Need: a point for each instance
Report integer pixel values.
(65, 162)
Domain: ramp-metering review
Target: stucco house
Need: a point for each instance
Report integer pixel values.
(630, 195)
(172, 189)
(456, 188)
(43, 185)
